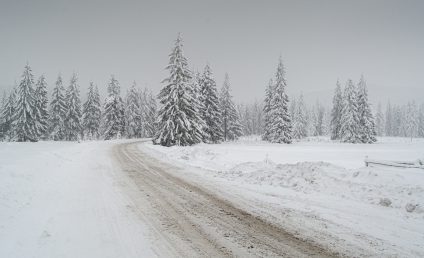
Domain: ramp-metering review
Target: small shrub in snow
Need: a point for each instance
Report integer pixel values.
(386, 202)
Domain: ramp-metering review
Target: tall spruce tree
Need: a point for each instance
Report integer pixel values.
(58, 111)
(350, 123)
(41, 102)
(300, 119)
(150, 116)
(146, 122)
(318, 120)
(231, 126)
(133, 112)
(210, 111)
(411, 120)
(336, 112)
(379, 121)
(280, 120)
(421, 121)
(389, 120)
(25, 119)
(397, 121)
(2, 119)
(267, 111)
(73, 112)
(178, 118)
(8, 113)
(114, 111)
(91, 114)
(366, 118)
(198, 104)
(293, 106)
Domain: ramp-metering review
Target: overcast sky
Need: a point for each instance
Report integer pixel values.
(320, 42)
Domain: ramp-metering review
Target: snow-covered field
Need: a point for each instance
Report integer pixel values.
(60, 199)
(319, 189)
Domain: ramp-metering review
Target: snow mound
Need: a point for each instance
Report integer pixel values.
(369, 185)
(317, 185)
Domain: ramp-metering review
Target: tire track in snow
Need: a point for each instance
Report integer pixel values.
(195, 222)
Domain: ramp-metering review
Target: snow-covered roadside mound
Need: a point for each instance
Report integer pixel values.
(64, 199)
(395, 188)
(306, 187)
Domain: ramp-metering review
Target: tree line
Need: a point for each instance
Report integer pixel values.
(27, 115)
(192, 110)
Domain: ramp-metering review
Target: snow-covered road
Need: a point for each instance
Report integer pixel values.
(196, 222)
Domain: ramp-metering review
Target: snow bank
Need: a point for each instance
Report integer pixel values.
(225, 156)
(61, 199)
(324, 185)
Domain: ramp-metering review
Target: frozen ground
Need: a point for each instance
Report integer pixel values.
(66, 200)
(318, 189)
(73, 199)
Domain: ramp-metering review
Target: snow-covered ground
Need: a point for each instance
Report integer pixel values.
(319, 189)
(60, 199)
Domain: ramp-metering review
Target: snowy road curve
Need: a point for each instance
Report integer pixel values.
(192, 221)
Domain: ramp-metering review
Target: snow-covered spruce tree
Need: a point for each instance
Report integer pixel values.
(198, 104)
(300, 119)
(3, 100)
(25, 119)
(147, 113)
(2, 120)
(366, 118)
(336, 112)
(141, 114)
(210, 112)
(280, 120)
(91, 114)
(73, 112)
(177, 116)
(257, 117)
(231, 126)
(133, 112)
(7, 115)
(350, 124)
(251, 118)
(267, 111)
(243, 112)
(397, 120)
(379, 121)
(411, 120)
(57, 111)
(292, 108)
(318, 120)
(388, 128)
(41, 102)
(150, 115)
(114, 112)
(421, 121)
(327, 121)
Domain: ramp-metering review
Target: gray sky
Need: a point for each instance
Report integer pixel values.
(320, 41)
